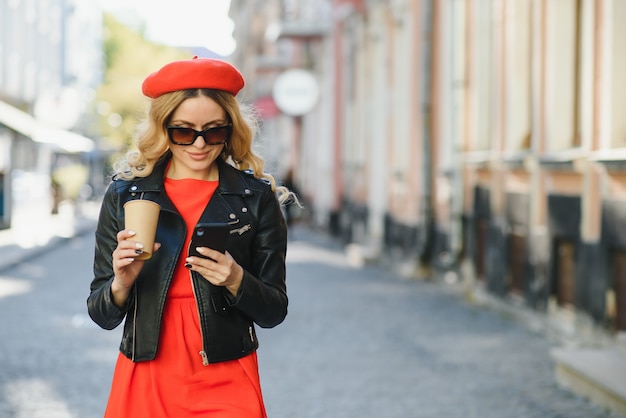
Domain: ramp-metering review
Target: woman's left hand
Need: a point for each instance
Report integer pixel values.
(219, 269)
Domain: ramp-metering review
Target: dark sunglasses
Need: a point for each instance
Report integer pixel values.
(217, 135)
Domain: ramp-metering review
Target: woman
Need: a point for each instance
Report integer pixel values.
(189, 345)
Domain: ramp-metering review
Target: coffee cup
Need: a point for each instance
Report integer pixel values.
(142, 217)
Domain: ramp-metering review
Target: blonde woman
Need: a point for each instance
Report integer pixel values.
(189, 344)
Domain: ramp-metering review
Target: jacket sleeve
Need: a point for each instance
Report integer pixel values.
(262, 295)
(100, 301)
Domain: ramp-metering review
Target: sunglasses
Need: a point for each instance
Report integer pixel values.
(217, 135)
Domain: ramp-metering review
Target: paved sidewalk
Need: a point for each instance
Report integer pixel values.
(27, 238)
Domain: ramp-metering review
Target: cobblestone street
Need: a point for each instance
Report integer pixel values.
(366, 343)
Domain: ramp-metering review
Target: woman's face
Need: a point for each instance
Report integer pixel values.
(198, 159)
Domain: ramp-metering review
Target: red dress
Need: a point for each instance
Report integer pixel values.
(176, 384)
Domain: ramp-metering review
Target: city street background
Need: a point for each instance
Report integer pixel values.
(358, 342)
(481, 144)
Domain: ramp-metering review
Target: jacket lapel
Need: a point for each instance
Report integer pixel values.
(231, 184)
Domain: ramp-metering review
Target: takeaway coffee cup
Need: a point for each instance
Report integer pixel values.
(142, 217)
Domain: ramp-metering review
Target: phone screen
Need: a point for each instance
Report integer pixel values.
(210, 235)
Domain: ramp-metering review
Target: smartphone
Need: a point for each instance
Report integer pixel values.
(210, 235)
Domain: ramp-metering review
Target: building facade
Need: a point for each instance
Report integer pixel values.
(51, 61)
(473, 140)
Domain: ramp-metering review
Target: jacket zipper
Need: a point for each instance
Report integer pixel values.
(203, 354)
(134, 324)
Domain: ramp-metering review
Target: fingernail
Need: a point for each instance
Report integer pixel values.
(138, 251)
(138, 245)
(131, 232)
(187, 265)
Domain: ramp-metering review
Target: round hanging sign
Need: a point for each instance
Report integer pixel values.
(295, 92)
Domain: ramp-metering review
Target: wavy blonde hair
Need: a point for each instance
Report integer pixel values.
(152, 142)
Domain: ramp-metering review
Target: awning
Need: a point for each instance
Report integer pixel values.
(297, 30)
(27, 125)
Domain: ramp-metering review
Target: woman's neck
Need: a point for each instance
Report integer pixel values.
(175, 173)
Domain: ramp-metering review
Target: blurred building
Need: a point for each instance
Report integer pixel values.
(50, 63)
(476, 139)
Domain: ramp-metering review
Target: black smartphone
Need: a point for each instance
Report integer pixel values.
(210, 235)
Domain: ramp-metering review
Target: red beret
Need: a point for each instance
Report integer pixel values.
(195, 73)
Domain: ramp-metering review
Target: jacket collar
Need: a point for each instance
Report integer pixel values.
(230, 182)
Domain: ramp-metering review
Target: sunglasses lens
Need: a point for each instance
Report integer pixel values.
(181, 135)
(187, 136)
(217, 135)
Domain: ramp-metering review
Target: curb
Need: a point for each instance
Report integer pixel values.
(597, 374)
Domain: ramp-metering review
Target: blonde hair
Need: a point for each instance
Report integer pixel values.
(152, 143)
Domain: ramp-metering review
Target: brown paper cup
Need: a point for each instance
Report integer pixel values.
(142, 217)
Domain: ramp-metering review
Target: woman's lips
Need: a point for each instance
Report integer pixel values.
(198, 156)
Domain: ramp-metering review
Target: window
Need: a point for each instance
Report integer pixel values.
(485, 76)
(519, 104)
(618, 78)
(564, 81)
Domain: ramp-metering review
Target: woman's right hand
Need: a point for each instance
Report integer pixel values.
(125, 267)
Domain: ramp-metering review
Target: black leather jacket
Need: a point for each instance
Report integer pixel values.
(257, 242)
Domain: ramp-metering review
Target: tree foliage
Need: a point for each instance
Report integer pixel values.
(129, 58)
